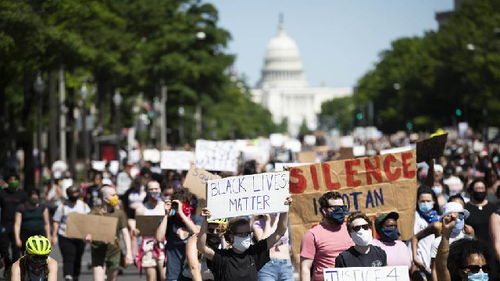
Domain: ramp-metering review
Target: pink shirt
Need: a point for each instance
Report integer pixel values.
(397, 253)
(323, 243)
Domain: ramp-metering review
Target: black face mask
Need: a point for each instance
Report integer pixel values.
(33, 202)
(73, 198)
(213, 240)
(479, 196)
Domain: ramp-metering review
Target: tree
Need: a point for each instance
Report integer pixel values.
(337, 113)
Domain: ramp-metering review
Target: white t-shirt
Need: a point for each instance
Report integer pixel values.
(61, 214)
(424, 245)
(437, 241)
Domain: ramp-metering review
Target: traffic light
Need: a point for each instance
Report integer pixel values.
(359, 116)
(409, 126)
(458, 112)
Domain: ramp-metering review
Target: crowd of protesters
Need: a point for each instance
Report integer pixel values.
(456, 229)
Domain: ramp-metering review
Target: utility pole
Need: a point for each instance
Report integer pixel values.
(163, 114)
(62, 115)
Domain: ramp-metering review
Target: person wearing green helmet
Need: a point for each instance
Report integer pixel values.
(35, 265)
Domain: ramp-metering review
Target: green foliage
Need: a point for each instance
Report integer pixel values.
(423, 80)
(337, 113)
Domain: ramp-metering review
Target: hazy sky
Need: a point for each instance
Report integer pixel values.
(339, 40)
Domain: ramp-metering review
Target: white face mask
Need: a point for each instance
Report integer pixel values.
(242, 243)
(362, 237)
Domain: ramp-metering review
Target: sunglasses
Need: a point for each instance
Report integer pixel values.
(337, 208)
(358, 227)
(475, 268)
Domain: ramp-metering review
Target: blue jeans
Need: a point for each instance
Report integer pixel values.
(276, 270)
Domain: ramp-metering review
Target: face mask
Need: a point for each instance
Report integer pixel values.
(480, 276)
(437, 189)
(154, 195)
(425, 206)
(113, 202)
(454, 192)
(458, 227)
(389, 233)
(13, 185)
(73, 198)
(336, 217)
(242, 243)
(362, 237)
(213, 240)
(479, 196)
(34, 201)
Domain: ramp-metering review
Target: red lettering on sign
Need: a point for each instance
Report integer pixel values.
(314, 176)
(406, 165)
(327, 177)
(299, 186)
(373, 170)
(350, 172)
(392, 176)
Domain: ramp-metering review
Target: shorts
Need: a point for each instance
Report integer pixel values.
(150, 258)
(102, 257)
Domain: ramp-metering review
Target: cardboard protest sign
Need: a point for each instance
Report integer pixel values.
(217, 155)
(100, 227)
(431, 148)
(152, 155)
(176, 160)
(306, 157)
(396, 150)
(386, 273)
(147, 225)
(373, 185)
(346, 153)
(196, 180)
(248, 195)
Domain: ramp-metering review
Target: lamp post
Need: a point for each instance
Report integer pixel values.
(181, 127)
(39, 87)
(83, 94)
(117, 100)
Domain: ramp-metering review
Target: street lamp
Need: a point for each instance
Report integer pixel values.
(39, 87)
(117, 100)
(83, 94)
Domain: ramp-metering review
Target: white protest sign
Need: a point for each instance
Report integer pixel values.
(217, 155)
(248, 195)
(280, 167)
(359, 150)
(152, 155)
(386, 273)
(277, 140)
(176, 160)
(396, 150)
(134, 156)
(98, 165)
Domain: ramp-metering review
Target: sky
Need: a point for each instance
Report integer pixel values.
(339, 40)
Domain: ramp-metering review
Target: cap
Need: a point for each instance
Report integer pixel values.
(383, 217)
(454, 207)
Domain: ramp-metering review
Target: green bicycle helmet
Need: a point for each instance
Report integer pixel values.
(38, 245)
(218, 221)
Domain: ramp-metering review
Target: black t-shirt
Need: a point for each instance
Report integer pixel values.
(351, 258)
(9, 202)
(480, 220)
(229, 266)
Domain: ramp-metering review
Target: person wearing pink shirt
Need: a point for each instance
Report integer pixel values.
(324, 242)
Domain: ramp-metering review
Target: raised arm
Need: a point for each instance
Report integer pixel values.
(495, 232)
(193, 228)
(162, 228)
(192, 258)
(202, 236)
(281, 228)
(429, 230)
(442, 254)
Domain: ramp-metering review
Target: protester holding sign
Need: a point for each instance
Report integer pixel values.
(387, 228)
(323, 243)
(362, 254)
(106, 258)
(243, 260)
(71, 248)
(151, 254)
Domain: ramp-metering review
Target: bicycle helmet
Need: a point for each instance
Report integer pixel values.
(38, 245)
(218, 221)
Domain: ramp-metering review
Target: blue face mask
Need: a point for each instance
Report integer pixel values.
(458, 226)
(337, 216)
(425, 206)
(389, 234)
(480, 276)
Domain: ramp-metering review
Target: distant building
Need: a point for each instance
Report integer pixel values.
(283, 88)
(442, 17)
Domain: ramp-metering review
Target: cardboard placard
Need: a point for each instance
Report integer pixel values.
(176, 160)
(387, 273)
(346, 153)
(306, 157)
(147, 225)
(431, 148)
(373, 185)
(196, 180)
(101, 228)
(396, 150)
(248, 195)
(217, 155)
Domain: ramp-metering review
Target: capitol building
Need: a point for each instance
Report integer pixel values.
(283, 88)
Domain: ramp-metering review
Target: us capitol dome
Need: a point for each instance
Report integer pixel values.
(283, 88)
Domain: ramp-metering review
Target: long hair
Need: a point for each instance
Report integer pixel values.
(23, 265)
